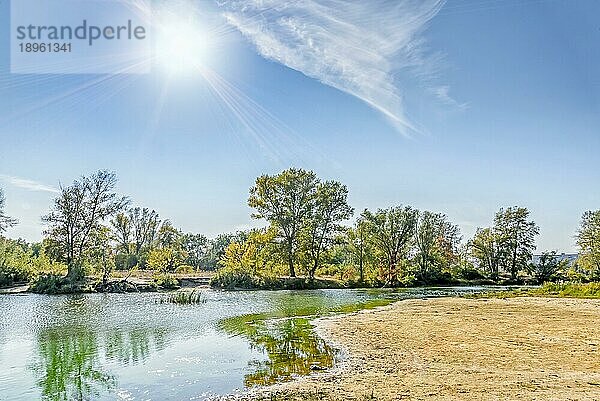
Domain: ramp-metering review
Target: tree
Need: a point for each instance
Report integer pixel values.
(135, 232)
(436, 241)
(485, 247)
(255, 255)
(196, 246)
(588, 241)
(216, 248)
(169, 254)
(78, 212)
(5, 221)
(518, 238)
(331, 207)
(285, 200)
(100, 254)
(392, 231)
(359, 246)
(165, 260)
(548, 267)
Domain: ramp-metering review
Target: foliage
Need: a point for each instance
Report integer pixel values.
(185, 297)
(517, 238)
(166, 281)
(436, 242)
(485, 248)
(257, 254)
(548, 268)
(285, 200)
(196, 247)
(588, 241)
(508, 245)
(359, 247)
(57, 284)
(22, 262)
(392, 233)
(135, 232)
(236, 278)
(322, 223)
(165, 259)
(77, 214)
(569, 290)
(5, 221)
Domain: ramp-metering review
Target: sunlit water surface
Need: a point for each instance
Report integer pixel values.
(135, 347)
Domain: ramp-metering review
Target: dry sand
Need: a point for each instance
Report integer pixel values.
(462, 349)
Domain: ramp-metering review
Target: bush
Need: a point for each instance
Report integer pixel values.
(570, 290)
(466, 271)
(12, 274)
(185, 298)
(166, 281)
(56, 284)
(185, 269)
(230, 278)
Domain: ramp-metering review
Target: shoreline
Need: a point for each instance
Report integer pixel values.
(457, 348)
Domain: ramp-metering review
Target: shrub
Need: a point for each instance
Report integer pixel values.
(56, 284)
(231, 278)
(570, 290)
(185, 269)
(185, 298)
(166, 281)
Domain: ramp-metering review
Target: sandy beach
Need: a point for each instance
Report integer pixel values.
(465, 349)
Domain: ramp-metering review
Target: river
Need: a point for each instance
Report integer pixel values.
(139, 347)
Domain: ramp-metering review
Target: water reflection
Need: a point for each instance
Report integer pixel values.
(68, 365)
(134, 346)
(78, 343)
(290, 344)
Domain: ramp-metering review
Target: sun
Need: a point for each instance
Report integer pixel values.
(180, 45)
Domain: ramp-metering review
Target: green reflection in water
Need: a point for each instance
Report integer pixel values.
(287, 337)
(134, 346)
(69, 367)
(75, 352)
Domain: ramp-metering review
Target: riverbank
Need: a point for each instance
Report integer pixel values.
(467, 349)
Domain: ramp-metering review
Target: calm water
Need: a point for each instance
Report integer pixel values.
(133, 347)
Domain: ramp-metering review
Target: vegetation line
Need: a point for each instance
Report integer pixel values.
(94, 235)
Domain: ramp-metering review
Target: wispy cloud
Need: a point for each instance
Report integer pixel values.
(359, 47)
(29, 185)
(442, 93)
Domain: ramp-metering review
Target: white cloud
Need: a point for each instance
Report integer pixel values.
(358, 47)
(29, 185)
(442, 93)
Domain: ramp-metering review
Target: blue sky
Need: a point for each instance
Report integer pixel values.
(460, 107)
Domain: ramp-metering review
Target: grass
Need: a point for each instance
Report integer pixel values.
(185, 298)
(553, 290)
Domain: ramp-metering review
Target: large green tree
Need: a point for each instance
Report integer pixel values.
(77, 214)
(358, 245)
(323, 222)
(285, 200)
(135, 232)
(588, 241)
(518, 238)
(196, 246)
(485, 247)
(436, 241)
(392, 232)
(548, 268)
(5, 221)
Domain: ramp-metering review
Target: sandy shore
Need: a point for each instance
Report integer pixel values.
(464, 349)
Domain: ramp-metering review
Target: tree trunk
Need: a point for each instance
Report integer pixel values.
(74, 272)
(291, 262)
(360, 268)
